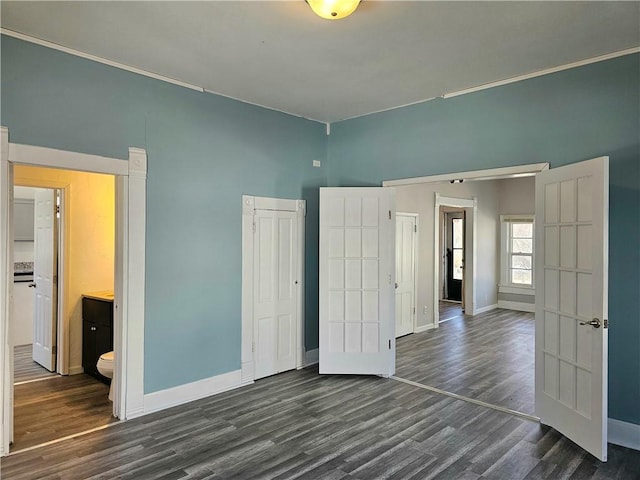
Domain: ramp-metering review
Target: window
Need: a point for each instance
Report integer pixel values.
(517, 251)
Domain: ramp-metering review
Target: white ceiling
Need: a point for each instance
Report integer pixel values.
(387, 54)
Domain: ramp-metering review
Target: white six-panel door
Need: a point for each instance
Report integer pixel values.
(275, 296)
(357, 291)
(406, 230)
(571, 293)
(44, 274)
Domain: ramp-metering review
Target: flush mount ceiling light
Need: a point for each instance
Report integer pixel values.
(333, 9)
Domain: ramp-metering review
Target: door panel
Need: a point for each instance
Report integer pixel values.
(357, 252)
(44, 273)
(571, 285)
(275, 295)
(405, 273)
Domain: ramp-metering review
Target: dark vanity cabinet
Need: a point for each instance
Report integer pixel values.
(97, 332)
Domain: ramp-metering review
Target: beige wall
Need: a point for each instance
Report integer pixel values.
(420, 199)
(517, 196)
(90, 235)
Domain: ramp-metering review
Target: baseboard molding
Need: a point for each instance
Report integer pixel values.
(488, 308)
(624, 434)
(76, 370)
(311, 357)
(171, 397)
(424, 328)
(520, 306)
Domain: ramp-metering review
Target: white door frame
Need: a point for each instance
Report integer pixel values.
(129, 268)
(63, 353)
(249, 206)
(416, 241)
(470, 206)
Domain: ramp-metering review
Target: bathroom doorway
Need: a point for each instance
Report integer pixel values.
(53, 398)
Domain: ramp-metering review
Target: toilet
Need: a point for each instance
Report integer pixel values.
(105, 366)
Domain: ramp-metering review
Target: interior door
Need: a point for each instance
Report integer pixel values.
(572, 207)
(405, 273)
(357, 285)
(275, 308)
(44, 274)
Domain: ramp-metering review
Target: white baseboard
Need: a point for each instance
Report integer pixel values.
(311, 357)
(523, 307)
(624, 433)
(189, 392)
(424, 328)
(488, 308)
(76, 370)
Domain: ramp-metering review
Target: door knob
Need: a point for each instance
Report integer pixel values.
(32, 285)
(594, 323)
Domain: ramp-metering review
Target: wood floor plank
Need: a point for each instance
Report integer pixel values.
(24, 368)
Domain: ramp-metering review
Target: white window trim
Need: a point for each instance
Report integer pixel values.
(505, 285)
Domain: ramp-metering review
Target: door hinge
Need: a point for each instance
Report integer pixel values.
(415, 229)
(253, 347)
(54, 350)
(389, 344)
(254, 227)
(414, 310)
(57, 208)
(389, 214)
(605, 323)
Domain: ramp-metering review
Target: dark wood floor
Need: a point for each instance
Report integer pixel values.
(54, 406)
(303, 425)
(488, 357)
(449, 310)
(24, 368)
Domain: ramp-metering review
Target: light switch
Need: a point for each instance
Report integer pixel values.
(316, 163)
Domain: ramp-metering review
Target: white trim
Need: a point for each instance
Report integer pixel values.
(488, 308)
(416, 243)
(624, 434)
(424, 328)
(129, 268)
(516, 290)
(311, 357)
(540, 73)
(249, 206)
(6, 294)
(95, 58)
(53, 158)
(471, 206)
(63, 342)
(520, 306)
(156, 76)
(138, 71)
(505, 286)
(487, 174)
(174, 396)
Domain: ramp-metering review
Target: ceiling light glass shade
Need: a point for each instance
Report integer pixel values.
(333, 9)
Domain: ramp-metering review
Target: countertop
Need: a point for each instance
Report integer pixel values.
(106, 295)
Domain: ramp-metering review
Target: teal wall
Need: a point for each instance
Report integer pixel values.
(204, 151)
(561, 118)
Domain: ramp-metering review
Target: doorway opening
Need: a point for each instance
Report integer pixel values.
(129, 298)
(59, 381)
(452, 265)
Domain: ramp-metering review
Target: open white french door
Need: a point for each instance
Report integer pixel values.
(44, 275)
(572, 208)
(406, 231)
(275, 291)
(357, 284)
